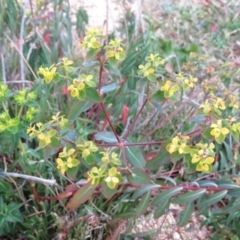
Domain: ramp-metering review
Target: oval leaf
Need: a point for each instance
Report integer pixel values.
(143, 204)
(186, 214)
(81, 196)
(161, 209)
(109, 88)
(92, 95)
(77, 109)
(135, 156)
(213, 199)
(233, 208)
(189, 197)
(144, 189)
(138, 177)
(234, 193)
(108, 192)
(108, 137)
(166, 195)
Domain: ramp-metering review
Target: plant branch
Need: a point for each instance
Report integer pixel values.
(21, 44)
(110, 123)
(51, 182)
(135, 119)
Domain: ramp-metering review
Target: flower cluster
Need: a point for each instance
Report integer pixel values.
(44, 136)
(87, 148)
(48, 73)
(8, 124)
(203, 155)
(24, 98)
(91, 40)
(112, 177)
(108, 171)
(115, 52)
(77, 89)
(67, 159)
(110, 158)
(218, 131)
(169, 89)
(213, 105)
(148, 70)
(30, 114)
(4, 91)
(178, 144)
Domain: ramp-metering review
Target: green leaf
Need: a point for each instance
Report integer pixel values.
(112, 69)
(235, 135)
(4, 187)
(107, 137)
(168, 179)
(161, 209)
(107, 192)
(54, 142)
(109, 88)
(233, 207)
(138, 177)
(90, 64)
(92, 95)
(152, 77)
(77, 108)
(214, 198)
(91, 53)
(158, 96)
(186, 214)
(226, 184)
(144, 189)
(234, 193)
(81, 196)
(135, 156)
(166, 195)
(72, 172)
(189, 197)
(143, 204)
(90, 159)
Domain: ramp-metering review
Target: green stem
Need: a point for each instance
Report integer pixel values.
(5, 108)
(20, 111)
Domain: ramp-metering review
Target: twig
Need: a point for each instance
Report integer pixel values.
(3, 68)
(51, 182)
(21, 44)
(21, 55)
(135, 119)
(110, 123)
(106, 21)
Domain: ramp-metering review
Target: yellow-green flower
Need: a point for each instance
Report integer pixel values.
(204, 156)
(220, 104)
(218, 130)
(97, 175)
(155, 60)
(3, 91)
(48, 73)
(205, 165)
(67, 159)
(74, 92)
(169, 89)
(112, 179)
(190, 82)
(178, 144)
(110, 157)
(87, 148)
(115, 51)
(207, 107)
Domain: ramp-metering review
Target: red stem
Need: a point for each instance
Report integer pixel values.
(110, 123)
(135, 119)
